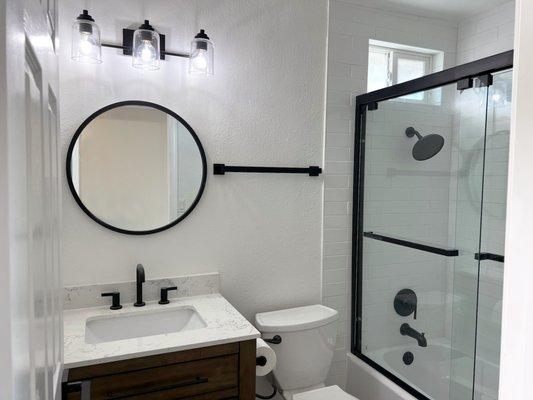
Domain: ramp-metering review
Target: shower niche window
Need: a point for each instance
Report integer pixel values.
(429, 230)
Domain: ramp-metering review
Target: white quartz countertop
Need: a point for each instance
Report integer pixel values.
(224, 325)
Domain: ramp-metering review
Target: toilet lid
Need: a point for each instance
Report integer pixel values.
(325, 393)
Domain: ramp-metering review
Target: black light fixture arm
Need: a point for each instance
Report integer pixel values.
(128, 48)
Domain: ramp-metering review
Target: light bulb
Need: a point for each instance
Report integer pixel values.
(85, 44)
(147, 52)
(199, 61)
(146, 48)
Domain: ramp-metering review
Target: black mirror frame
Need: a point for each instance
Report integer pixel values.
(79, 131)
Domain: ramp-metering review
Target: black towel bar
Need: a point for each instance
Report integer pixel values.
(221, 169)
(413, 245)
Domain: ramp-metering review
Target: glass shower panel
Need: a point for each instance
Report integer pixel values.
(493, 237)
(413, 255)
(466, 196)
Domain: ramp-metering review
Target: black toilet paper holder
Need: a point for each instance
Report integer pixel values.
(261, 361)
(275, 340)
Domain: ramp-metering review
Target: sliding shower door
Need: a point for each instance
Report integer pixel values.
(420, 197)
(493, 237)
(465, 219)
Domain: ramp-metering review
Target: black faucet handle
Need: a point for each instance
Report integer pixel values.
(164, 294)
(115, 300)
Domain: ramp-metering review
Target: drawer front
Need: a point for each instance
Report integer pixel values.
(176, 381)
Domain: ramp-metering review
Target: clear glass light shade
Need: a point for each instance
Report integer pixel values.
(146, 53)
(202, 57)
(86, 46)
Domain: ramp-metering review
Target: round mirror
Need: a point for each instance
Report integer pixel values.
(136, 167)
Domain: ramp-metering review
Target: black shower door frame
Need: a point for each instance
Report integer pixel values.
(463, 75)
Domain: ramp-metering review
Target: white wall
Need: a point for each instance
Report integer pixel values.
(263, 106)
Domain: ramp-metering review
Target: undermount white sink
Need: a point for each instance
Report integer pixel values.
(138, 324)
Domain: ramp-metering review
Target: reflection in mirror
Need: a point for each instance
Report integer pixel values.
(136, 168)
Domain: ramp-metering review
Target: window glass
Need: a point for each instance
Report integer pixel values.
(378, 70)
(388, 66)
(410, 68)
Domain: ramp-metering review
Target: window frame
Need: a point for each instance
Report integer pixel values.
(394, 55)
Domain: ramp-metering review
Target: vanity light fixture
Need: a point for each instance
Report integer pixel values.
(146, 48)
(145, 45)
(86, 46)
(201, 60)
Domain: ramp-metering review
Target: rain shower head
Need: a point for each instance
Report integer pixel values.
(426, 146)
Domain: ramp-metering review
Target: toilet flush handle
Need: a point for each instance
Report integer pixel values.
(275, 340)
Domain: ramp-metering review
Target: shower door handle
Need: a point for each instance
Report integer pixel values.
(489, 256)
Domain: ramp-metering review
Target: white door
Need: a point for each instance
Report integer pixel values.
(30, 288)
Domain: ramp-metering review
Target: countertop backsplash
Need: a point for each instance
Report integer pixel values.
(188, 285)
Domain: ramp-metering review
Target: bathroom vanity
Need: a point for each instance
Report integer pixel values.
(219, 372)
(197, 348)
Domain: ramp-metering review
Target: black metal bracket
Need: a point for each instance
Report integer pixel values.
(489, 256)
(127, 45)
(275, 340)
(413, 245)
(221, 169)
(484, 80)
(372, 106)
(464, 84)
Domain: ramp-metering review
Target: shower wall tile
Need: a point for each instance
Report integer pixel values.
(350, 28)
(489, 33)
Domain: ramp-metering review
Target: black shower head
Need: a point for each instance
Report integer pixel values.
(426, 146)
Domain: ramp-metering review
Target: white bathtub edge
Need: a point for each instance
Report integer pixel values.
(365, 383)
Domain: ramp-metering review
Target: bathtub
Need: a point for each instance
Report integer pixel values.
(430, 374)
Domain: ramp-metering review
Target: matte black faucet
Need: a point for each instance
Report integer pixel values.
(140, 281)
(406, 330)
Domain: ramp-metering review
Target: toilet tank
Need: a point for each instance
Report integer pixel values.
(308, 339)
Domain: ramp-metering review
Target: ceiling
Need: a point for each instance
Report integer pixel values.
(446, 9)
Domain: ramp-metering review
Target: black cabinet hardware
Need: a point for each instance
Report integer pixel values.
(221, 169)
(275, 340)
(116, 300)
(164, 294)
(489, 256)
(81, 387)
(413, 245)
(143, 391)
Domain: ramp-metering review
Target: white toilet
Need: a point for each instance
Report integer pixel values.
(304, 355)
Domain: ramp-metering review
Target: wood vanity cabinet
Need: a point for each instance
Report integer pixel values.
(220, 372)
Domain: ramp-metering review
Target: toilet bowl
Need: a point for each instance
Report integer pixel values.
(304, 355)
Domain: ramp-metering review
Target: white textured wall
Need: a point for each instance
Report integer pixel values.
(264, 106)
